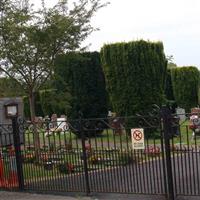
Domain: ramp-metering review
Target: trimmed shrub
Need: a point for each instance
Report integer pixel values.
(185, 81)
(135, 75)
(168, 86)
(83, 74)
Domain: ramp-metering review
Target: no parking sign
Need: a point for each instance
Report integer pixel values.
(137, 137)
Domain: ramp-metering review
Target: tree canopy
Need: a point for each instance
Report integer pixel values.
(31, 38)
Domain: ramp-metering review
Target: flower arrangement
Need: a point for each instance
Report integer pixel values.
(29, 158)
(152, 150)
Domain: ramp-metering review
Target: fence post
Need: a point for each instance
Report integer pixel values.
(84, 154)
(17, 146)
(166, 122)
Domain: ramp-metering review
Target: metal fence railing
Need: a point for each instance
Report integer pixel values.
(97, 155)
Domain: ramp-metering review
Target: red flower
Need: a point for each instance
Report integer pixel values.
(70, 167)
(192, 126)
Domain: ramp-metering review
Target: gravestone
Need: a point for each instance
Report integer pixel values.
(6, 134)
(54, 121)
(195, 111)
(181, 113)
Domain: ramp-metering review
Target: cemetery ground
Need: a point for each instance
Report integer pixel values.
(104, 151)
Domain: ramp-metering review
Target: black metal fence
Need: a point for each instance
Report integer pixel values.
(97, 155)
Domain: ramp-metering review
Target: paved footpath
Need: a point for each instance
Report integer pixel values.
(31, 196)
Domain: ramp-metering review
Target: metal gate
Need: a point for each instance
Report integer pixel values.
(97, 155)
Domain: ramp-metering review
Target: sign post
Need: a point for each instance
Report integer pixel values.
(137, 137)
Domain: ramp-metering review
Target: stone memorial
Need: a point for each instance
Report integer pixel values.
(181, 113)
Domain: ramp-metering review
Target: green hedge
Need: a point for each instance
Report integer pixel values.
(135, 75)
(83, 75)
(185, 81)
(168, 86)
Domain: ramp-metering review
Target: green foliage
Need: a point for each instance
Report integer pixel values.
(168, 86)
(32, 37)
(83, 74)
(27, 113)
(54, 101)
(135, 75)
(38, 105)
(47, 102)
(9, 88)
(171, 65)
(185, 81)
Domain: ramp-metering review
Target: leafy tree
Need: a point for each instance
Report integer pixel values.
(185, 82)
(8, 88)
(54, 101)
(30, 39)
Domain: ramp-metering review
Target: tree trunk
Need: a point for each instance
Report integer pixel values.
(32, 105)
(36, 137)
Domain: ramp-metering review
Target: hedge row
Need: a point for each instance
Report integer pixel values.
(136, 77)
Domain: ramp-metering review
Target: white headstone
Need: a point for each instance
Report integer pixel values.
(181, 113)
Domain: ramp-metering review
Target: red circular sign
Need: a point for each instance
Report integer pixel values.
(137, 135)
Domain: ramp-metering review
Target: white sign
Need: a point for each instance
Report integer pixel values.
(137, 135)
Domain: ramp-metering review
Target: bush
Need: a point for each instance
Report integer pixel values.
(83, 74)
(135, 74)
(185, 81)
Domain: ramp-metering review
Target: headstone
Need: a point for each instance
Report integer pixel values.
(117, 126)
(54, 120)
(63, 116)
(181, 113)
(62, 124)
(39, 122)
(195, 111)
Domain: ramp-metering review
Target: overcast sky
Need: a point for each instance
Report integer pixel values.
(174, 22)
